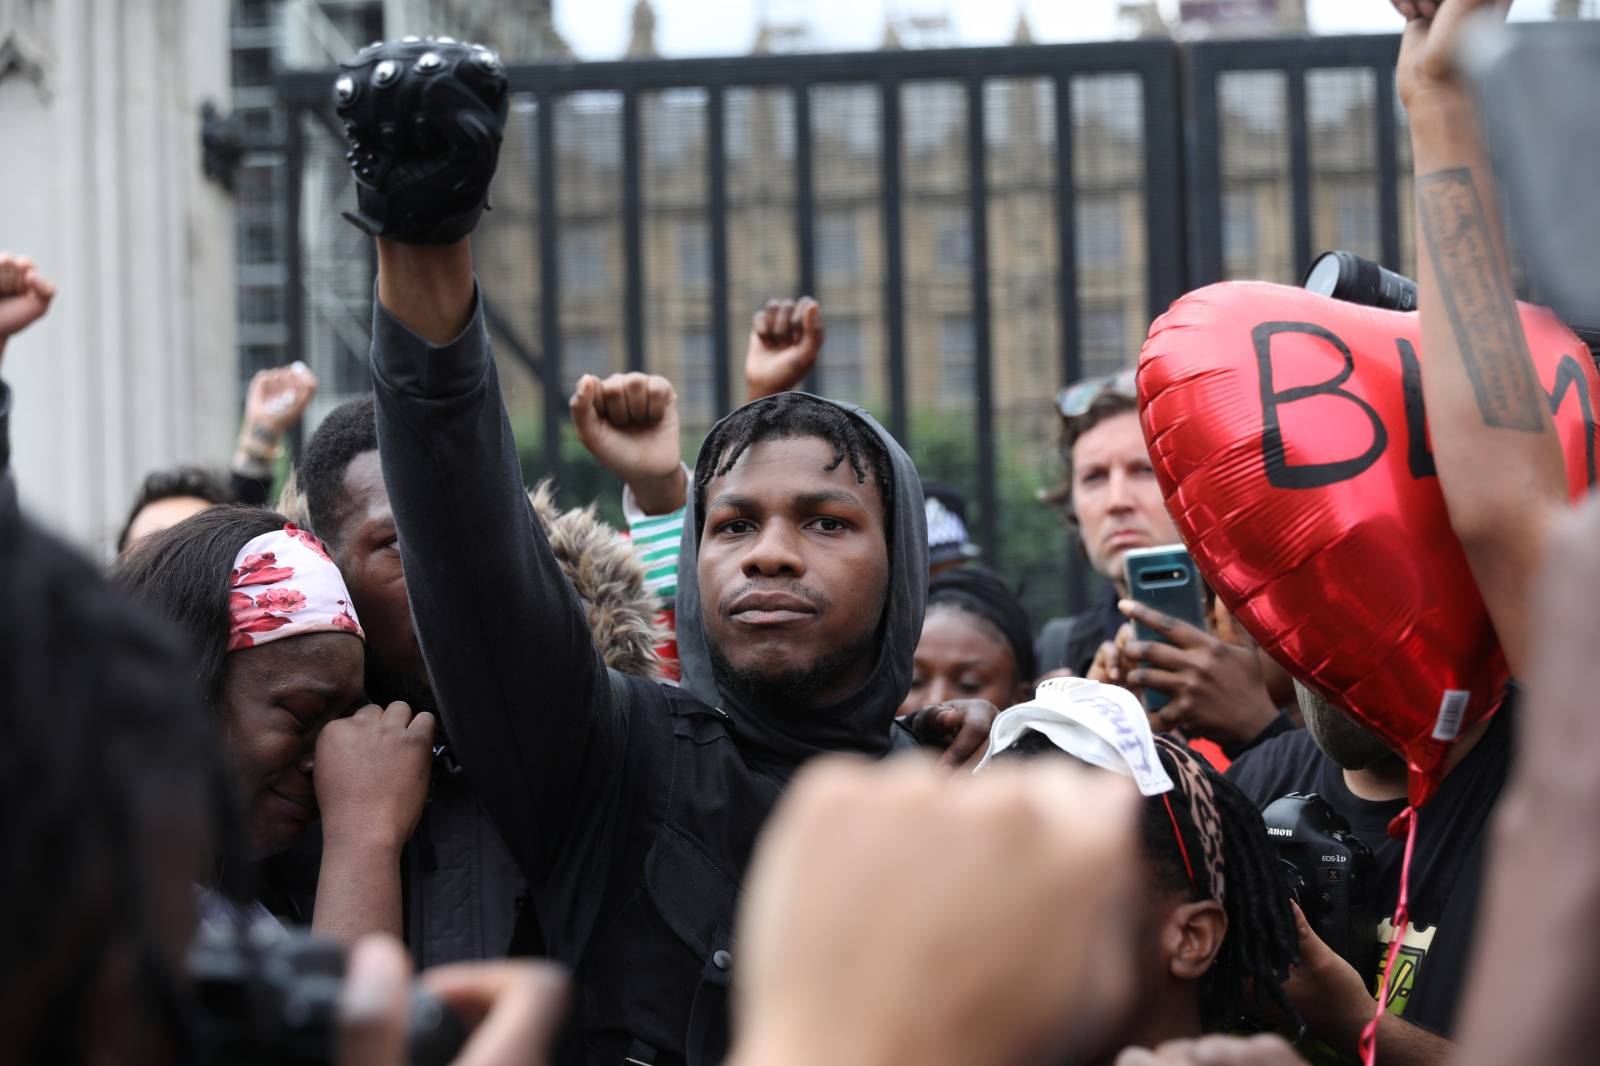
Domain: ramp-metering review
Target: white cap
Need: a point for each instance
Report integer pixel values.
(1102, 725)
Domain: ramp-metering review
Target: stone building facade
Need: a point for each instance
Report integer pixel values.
(102, 183)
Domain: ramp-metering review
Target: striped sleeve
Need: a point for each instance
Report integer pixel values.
(656, 538)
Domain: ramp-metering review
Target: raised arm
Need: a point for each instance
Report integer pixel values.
(527, 704)
(1494, 440)
(526, 700)
(629, 423)
(274, 402)
(24, 298)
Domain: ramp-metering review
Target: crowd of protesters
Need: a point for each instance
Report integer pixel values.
(586, 780)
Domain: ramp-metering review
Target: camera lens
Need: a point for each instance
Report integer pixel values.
(1347, 276)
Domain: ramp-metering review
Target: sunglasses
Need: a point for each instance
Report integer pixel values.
(1077, 398)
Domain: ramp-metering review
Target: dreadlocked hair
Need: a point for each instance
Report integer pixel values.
(1262, 940)
(788, 416)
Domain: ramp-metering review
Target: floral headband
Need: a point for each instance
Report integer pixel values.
(285, 584)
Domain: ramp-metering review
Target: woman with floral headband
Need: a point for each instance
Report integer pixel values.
(279, 657)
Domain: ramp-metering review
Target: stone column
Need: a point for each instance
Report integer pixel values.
(101, 182)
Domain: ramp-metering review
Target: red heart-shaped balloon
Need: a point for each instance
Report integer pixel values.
(1288, 435)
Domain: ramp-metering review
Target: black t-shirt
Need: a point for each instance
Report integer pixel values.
(1446, 870)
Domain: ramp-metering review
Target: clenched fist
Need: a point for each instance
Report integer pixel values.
(277, 398)
(629, 422)
(1011, 938)
(24, 295)
(371, 775)
(1427, 65)
(424, 119)
(785, 337)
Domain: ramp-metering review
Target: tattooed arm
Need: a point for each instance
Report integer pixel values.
(1494, 441)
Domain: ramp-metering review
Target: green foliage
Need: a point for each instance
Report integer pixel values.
(1037, 553)
(582, 481)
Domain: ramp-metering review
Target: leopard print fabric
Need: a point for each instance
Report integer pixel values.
(1196, 786)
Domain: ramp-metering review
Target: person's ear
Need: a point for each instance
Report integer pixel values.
(1192, 936)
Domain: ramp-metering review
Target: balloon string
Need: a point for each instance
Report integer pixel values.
(1401, 921)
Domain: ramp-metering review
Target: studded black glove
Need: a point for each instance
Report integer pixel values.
(424, 118)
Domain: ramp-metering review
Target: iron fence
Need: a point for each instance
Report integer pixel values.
(981, 225)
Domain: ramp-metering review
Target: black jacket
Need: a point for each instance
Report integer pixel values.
(631, 806)
(1071, 643)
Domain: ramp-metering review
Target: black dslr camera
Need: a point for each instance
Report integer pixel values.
(267, 997)
(1331, 873)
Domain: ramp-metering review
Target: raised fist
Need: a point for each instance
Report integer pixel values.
(785, 337)
(425, 119)
(24, 295)
(277, 398)
(630, 423)
(1428, 47)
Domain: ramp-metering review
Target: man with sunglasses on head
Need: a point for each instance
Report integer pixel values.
(1216, 688)
(1110, 498)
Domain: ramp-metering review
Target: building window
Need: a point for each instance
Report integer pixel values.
(843, 369)
(957, 382)
(1356, 221)
(263, 122)
(1105, 341)
(694, 255)
(697, 388)
(1241, 235)
(583, 259)
(253, 13)
(588, 352)
(260, 303)
(252, 66)
(954, 252)
(838, 253)
(1099, 233)
(258, 242)
(254, 357)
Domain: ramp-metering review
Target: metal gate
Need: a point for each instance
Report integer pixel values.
(980, 225)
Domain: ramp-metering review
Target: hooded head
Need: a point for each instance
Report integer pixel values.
(803, 576)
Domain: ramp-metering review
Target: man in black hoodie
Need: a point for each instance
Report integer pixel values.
(630, 805)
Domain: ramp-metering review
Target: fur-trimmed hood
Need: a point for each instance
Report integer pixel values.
(608, 576)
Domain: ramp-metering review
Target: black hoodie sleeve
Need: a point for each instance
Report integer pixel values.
(527, 701)
(5, 429)
(8, 488)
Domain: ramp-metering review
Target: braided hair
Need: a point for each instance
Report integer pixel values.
(1261, 941)
(789, 416)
